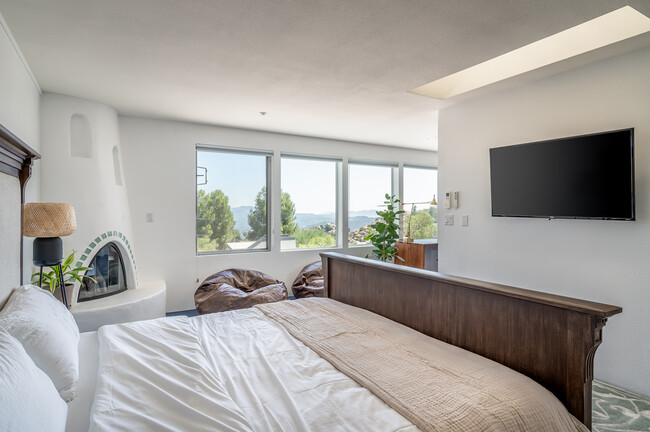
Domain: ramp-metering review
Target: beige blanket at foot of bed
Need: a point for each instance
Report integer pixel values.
(437, 386)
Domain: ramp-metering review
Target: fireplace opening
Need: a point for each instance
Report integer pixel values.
(107, 268)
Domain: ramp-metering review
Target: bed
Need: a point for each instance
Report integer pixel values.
(362, 358)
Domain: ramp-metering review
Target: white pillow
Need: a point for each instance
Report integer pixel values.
(48, 332)
(28, 398)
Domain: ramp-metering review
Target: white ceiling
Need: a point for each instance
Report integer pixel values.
(330, 68)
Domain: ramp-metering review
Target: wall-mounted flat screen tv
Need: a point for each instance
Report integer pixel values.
(581, 177)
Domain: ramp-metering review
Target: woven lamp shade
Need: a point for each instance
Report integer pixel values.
(48, 220)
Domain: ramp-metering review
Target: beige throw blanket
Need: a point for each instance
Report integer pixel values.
(437, 386)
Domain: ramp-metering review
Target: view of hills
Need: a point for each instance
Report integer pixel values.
(357, 220)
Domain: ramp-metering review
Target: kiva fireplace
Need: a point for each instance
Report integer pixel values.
(84, 137)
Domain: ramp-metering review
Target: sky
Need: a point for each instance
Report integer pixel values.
(420, 184)
(239, 176)
(310, 182)
(368, 186)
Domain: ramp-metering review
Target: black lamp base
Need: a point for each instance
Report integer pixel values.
(48, 252)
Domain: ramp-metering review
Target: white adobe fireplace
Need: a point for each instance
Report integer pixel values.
(82, 165)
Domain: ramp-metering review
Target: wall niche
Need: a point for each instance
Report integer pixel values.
(81, 144)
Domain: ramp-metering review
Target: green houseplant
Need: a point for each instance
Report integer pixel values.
(384, 233)
(70, 274)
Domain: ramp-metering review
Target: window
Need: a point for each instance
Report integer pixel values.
(368, 185)
(420, 185)
(232, 200)
(309, 202)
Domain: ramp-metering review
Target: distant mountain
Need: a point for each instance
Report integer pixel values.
(308, 220)
(369, 213)
(357, 220)
(241, 218)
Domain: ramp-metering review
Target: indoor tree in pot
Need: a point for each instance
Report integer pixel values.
(52, 279)
(384, 233)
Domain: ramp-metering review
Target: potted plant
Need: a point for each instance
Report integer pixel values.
(52, 278)
(384, 233)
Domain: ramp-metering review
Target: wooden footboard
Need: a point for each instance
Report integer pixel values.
(550, 338)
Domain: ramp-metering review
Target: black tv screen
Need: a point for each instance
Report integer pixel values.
(582, 177)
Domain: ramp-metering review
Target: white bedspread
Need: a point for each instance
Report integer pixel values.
(235, 370)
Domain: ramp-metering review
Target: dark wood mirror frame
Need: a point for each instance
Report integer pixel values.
(17, 159)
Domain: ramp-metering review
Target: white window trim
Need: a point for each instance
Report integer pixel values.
(395, 190)
(403, 166)
(341, 241)
(269, 212)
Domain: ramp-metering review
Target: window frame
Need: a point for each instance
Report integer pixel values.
(415, 166)
(394, 181)
(338, 217)
(269, 183)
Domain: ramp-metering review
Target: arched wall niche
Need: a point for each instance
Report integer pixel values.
(81, 137)
(117, 168)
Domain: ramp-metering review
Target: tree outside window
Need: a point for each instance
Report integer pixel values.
(420, 184)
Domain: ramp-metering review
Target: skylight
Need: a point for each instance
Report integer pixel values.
(621, 24)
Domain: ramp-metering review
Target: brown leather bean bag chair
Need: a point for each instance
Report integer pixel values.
(310, 282)
(237, 289)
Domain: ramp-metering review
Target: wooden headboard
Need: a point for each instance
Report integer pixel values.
(16, 159)
(550, 338)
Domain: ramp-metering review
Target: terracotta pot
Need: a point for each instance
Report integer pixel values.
(68, 291)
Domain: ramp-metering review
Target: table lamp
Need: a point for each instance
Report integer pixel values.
(48, 222)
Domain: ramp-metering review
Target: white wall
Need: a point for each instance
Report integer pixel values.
(159, 159)
(19, 103)
(604, 261)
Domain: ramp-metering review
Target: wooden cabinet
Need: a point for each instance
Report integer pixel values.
(421, 254)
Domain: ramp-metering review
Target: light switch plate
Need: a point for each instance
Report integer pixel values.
(449, 219)
(149, 217)
(464, 220)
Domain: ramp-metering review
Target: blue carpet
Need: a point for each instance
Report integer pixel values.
(189, 313)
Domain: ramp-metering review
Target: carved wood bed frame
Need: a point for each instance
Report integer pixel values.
(550, 338)
(16, 159)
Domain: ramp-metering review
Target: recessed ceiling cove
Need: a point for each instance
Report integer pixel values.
(599, 32)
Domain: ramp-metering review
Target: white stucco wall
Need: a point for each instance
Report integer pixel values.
(160, 163)
(19, 113)
(603, 261)
(89, 184)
